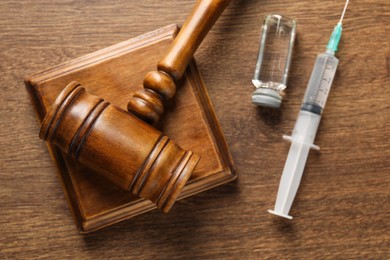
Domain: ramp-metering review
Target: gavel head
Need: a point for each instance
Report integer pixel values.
(118, 146)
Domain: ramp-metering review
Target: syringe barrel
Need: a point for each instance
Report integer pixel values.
(321, 79)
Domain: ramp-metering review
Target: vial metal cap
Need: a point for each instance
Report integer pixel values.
(266, 98)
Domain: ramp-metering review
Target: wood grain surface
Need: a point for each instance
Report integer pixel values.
(342, 210)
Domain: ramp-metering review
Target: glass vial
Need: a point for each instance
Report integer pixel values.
(273, 61)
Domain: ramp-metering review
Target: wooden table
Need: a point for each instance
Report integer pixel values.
(342, 209)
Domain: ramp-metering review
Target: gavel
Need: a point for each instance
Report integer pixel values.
(123, 147)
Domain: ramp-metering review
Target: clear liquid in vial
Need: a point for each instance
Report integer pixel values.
(273, 62)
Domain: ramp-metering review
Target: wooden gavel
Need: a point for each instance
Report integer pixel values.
(122, 148)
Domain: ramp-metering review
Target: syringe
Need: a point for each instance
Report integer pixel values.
(307, 123)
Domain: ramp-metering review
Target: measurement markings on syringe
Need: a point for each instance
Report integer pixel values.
(325, 83)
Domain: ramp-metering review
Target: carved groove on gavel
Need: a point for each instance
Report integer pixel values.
(120, 147)
(147, 104)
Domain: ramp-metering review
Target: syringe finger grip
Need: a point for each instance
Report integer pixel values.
(290, 139)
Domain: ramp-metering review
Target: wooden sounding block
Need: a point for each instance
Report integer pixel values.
(115, 74)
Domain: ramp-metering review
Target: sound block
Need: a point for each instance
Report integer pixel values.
(115, 73)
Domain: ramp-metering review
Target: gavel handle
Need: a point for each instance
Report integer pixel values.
(160, 85)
